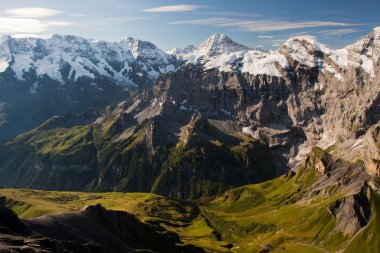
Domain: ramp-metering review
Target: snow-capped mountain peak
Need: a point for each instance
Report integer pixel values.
(178, 51)
(65, 58)
(146, 50)
(138, 46)
(366, 52)
(68, 38)
(214, 46)
(220, 52)
(220, 43)
(369, 41)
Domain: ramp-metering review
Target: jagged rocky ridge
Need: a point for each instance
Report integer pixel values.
(168, 139)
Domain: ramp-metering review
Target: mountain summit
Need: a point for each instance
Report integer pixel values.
(219, 44)
(215, 45)
(145, 50)
(67, 58)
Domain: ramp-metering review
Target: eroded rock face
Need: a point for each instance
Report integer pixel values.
(352, 213)
(373, 168)
(346, 180)
(320, 97)
(319, 160)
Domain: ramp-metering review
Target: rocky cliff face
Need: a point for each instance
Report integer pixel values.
(137, 146)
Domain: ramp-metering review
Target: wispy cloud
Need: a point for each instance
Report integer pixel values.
(260, 25)
(339, 32)
(29, 20)
(112, 21)
(174, 8)
(234, 14)
(27, 25)
(22, 25)
(32, 12)
(265, 37)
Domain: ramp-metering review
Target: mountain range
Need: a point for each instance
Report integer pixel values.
(202, 124)
(73, 75)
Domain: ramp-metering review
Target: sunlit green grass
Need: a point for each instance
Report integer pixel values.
(278, 212)
(179, 217)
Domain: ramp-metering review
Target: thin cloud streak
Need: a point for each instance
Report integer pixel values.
(173, 8)
(22, 25)
(27, 25)
(260, 25)
(31, 12)
(339, 32)
(230, 14)
(265, 37)
(105, 22)
(29, 20)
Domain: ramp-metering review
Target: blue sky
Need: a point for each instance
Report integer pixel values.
(176, 23)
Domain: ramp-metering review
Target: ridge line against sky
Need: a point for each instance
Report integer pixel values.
(174, 23)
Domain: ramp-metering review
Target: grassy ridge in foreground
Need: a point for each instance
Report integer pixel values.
(180, 217)
(278, 212)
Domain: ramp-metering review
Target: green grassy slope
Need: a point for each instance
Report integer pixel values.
(254, 215)
(283, 215)
(180, 217)
(288, 214)
(126, 156)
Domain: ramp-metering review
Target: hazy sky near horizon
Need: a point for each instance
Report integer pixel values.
(176, 23)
